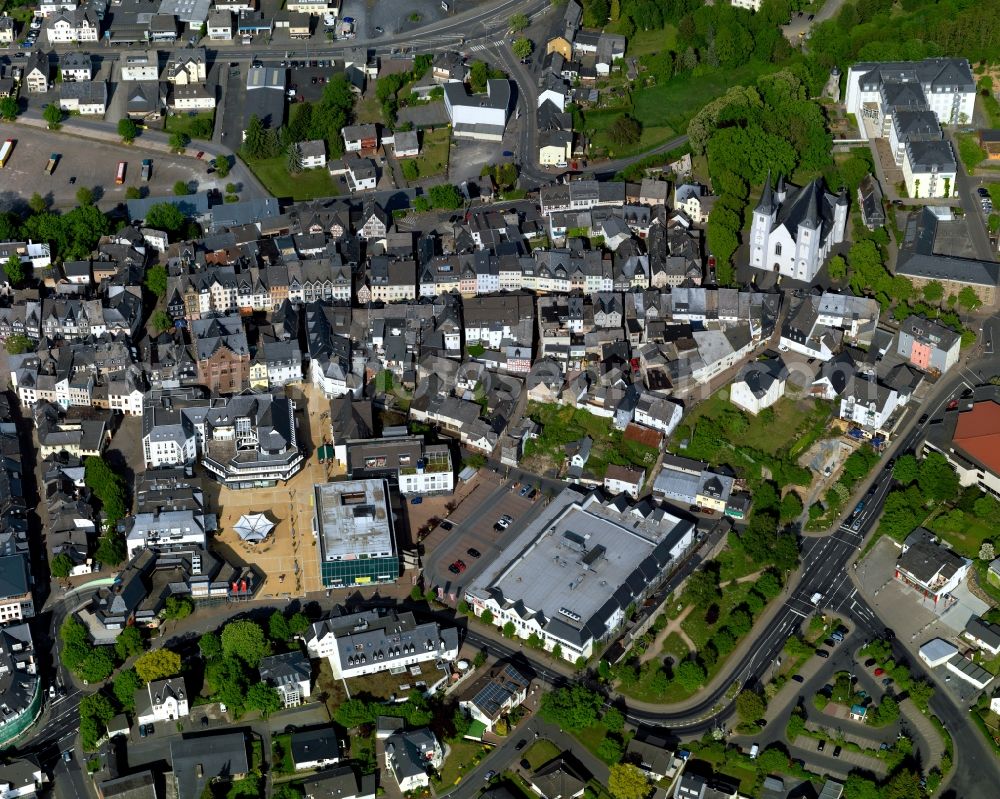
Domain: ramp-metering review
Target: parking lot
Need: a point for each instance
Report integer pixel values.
(93, 166)
(473, 528)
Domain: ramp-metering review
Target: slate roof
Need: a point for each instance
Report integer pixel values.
(196, 760)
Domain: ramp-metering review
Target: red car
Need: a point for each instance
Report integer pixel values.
(879, 672)
(457, 567)
(201, 154)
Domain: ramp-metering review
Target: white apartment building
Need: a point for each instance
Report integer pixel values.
(161, 701)
(379, 640)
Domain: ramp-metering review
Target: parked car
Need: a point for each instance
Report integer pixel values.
(490, 775)
(822, 653)
(887, 682)
(821, 746)
(798, 678)
(520, 745)
(879, 672)
(447, 525)
(982, 192)
(142, 730)
(473, 553)
(67, 755)
(870, 662)
(454, 569)
(416, 500)
(836, 751)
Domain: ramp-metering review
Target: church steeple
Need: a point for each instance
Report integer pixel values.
(766, 204)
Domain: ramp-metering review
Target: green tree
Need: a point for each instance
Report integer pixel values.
(445, 196)
(96, 710)
(410, 169)
(107, 486)
(933, 291)
(132, 193)
(690, 675)
(18, 344)
(179, 142)
(509, 630)
(479, 74)
(887, 711)
(15, 271)
(610, 750)
(791, 507)
(298, 624)
(263, 698)
(158, 664)
(96, 667)
(903, 784)
(222, 166)
(968, 298)
(920, 693)
(8, 109)
(522, 47)
(277, 627)
(937, 478)
(254, 141)
(124, 686)
(128, 130)
(210, 646)
(702, 588)
(128, 643)
(625, 780)
(37, 203)
(177, 608)
(84, 196)
(906, 469)
(750, 705)
(613, 720)
(161, 321)
(156, 277)
(486, 616)
(52, 115)
(768, 585)
(244, 640)
(61, 566)
(353, 713)
(167, 217)
(111, 548)
(574, 707)
(181, 188)
(518, 22)
(625, 131)
(837, 268)
(293, 158)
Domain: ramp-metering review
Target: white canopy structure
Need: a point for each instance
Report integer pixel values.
(254, 527)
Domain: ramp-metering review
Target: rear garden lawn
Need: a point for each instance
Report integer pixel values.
(795, 424)
(643, 43)
(433, 158)
(562, 425)
(306, 185)
(282, 754)
(540, 753)
(969, 150)
(200, 126)
(462, 756)
(368, 109)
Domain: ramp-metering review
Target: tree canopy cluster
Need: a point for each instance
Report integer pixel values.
(931, 480)
(232, 658)
(749, 133)
(574, 707)
(72, 235)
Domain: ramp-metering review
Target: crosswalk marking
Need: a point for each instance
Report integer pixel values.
(478, 48)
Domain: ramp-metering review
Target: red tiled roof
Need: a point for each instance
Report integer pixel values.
(978, 434)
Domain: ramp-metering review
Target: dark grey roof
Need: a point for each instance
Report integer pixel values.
(196, 760)
(985, 631)
(927, 156)
(13, 576)
(760, 375)
(310, 745)
(918, 259)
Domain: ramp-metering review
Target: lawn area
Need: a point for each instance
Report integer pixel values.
(282, 754)
(734, 564)
(306, 185)
(541, 752)
(702, 623)
(368, 109)
(792, 420)
(183, 123)
(561, 425)
(648, 42)
(332, 689)
(674, 646)
(598, 122)
(969, 151)
(363, 751)
(433, 158)
(963, 531)
(674, 102)
(463, 755)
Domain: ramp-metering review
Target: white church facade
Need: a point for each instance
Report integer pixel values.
(794, 229)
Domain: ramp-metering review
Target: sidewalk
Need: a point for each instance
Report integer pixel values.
(927, 732)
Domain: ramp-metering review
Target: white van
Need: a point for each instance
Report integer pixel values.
(754, 750)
